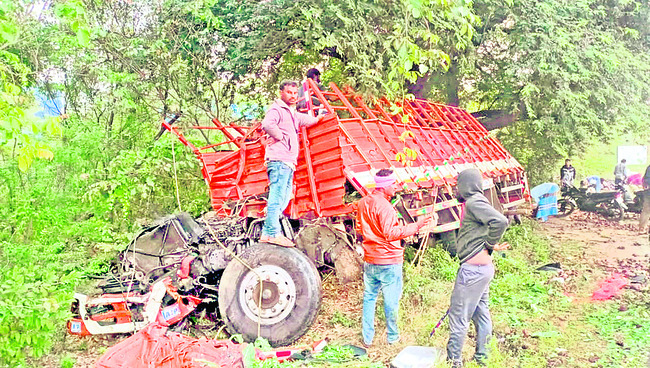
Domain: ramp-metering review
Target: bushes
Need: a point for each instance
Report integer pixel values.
(65, 219)
(36, 295)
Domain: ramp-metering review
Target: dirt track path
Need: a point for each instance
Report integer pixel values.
(602, 239)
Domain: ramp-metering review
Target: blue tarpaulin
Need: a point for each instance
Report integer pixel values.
(546, 197)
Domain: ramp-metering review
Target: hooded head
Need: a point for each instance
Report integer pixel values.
(469, 182)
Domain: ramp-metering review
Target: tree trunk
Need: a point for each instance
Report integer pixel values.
(452, 83)
(494, 119)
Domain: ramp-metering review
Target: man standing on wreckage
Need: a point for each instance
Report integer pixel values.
(282, 123)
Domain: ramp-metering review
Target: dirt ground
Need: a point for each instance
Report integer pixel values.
(613, 246)
(602, 239)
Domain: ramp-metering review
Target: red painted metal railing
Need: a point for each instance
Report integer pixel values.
(342, 153)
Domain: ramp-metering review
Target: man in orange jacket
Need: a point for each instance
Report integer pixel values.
(383, 253)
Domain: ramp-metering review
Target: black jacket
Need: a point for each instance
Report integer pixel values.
(482, 225)
(567, 170)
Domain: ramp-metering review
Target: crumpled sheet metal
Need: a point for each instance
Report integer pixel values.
(156, 346)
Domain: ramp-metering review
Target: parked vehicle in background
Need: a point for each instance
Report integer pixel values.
(608, 204)
(634, 202)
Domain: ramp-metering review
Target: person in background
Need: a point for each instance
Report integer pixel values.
(480, 231)
(282, 123)
(620, 173)
(595, 182)
(313, 74)
(383, 253)
(567, 174)
(606, 184)
(645, 210)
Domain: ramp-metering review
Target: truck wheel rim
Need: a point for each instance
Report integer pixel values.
(278, 294)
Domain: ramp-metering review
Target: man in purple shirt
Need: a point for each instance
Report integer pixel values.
(282, 123)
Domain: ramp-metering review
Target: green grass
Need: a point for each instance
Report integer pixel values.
(600, 158)
(625, 332)
(330, 356)
(538, 320)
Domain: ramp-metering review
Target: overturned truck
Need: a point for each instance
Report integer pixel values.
(262, 290)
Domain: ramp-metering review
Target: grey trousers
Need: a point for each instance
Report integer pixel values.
(645, 211)
(469, 300)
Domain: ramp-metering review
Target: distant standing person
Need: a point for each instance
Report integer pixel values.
(282, 123)
(480, 232)
(620, 173)
(383, 254)
(567, 174)
(645, 211)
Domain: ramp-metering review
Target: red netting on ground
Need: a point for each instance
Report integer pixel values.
(610, 287)
(156, 346)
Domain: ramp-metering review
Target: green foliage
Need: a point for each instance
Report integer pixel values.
(56, 230)
(341, 356)
(67, 362)
(436, 264)
(263, 345)
(573, 72)
(73, 190)
(138, 177)
(22, 136)
(331, 356)
(517, 288)
(339, 318)
(36, 290)
(527, 241)
(382, 46)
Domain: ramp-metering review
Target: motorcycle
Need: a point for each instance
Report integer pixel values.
(608, 204)
(633, 204)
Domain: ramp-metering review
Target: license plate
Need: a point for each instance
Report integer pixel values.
(171, 312)
(75, 327)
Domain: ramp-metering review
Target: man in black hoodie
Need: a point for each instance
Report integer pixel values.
(480, 231)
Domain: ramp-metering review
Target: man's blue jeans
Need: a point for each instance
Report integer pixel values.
(280, 185)
(388, 280)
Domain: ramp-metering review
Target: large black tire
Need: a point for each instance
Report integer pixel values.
(291, 294)
(565, 207)
(613, 211)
